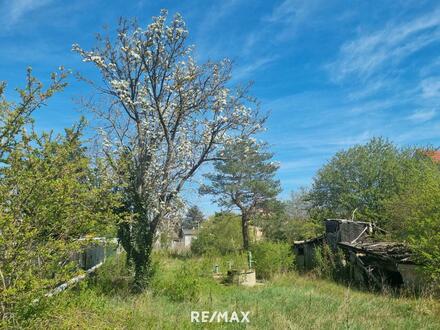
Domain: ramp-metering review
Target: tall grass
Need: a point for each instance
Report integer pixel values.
(287, 301)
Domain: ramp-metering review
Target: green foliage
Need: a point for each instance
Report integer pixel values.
(330, 264)
(194, 217)
(219, 235)
(360, 178)
(183, 284)
(49, 197)
(414, 213)
(14, 116)
(288, 221)
(244, 178)
(271, 258)
(301, 229)
(48, 201)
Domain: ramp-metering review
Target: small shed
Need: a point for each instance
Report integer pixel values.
(378, 262)
(371, 261)
(341, 230)
(336, 230)
(305, 252)
(186, 237)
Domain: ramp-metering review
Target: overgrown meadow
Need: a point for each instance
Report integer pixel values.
(181, 285)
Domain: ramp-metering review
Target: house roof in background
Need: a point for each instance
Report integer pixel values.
(434, 155)
(188, 231)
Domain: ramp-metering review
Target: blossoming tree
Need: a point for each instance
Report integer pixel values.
(167, 117)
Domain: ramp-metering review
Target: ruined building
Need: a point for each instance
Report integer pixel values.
(369, 259)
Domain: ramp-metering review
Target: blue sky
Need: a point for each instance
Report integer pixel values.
(332, 73)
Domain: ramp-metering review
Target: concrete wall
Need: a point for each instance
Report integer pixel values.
(187, 239)
(95, 253)
(305, 253)
(343, 231)
(412, 275)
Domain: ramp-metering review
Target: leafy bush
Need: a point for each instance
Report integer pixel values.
(270, 258)
(330, 264)
(219, 235)
(414, 213)
(182, 285)
(49, 198)
(113, 278)
(289, 221)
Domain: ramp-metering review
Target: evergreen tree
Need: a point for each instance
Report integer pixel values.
(194, 217)
(244, 178)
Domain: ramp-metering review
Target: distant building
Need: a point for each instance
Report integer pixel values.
(186, 237)
(434, 155)
(256, 233)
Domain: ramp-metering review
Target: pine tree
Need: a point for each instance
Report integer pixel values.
(244, 178)
(194, 217)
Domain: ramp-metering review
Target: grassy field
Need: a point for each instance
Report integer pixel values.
(288, 301)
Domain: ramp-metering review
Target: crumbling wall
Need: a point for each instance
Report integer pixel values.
(337, 230)
(412, 275)
(305, 252)
(371, 262)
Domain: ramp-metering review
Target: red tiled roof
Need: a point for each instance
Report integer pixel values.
(434, 155)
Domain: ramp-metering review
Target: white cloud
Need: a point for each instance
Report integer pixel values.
(374, 105)
(372, 87)
(422, 115)
(15, 10)
(327, 141)
(293, 11)
(420, 135)
(247, 70)
(364, 56)
(430, 68)
(375, 66)
(430, 87)
(292, 14)
(216, 13)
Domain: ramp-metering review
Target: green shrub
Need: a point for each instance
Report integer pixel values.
(219, 235)
(270, 258)
(113, 278)
(330, 264)
(414, 214)
(181, 285)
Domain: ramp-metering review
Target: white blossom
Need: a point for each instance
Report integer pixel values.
(171, 123)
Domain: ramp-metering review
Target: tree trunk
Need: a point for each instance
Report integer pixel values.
(245, 231)
(137, 240)
(124, 238)
(142, 260)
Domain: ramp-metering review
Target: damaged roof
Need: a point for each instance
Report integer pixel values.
(391, 251)
(311, 240)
